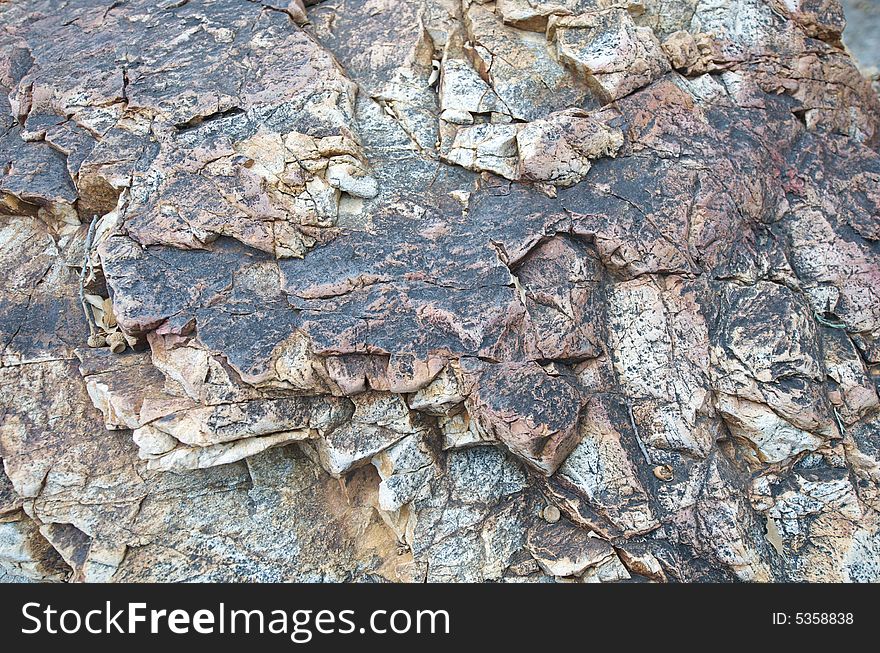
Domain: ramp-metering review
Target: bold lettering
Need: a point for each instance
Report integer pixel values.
(155, 615)
(134, 617)
(178, 622)
(203, 622)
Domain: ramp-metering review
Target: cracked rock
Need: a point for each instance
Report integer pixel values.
(562, 549)
(607, 47)
(438, 290)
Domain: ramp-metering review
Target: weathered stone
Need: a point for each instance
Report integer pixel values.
(377, 422)
(819, 505)
(607, 47)
(520, 67)
(563, 549)
(769, 384)
(558, 149)
(690, 53)
(536, 416)
(471, 518)
(600, 482)
(25, 555)
(490, 147)
(430, 290)
(821, 19)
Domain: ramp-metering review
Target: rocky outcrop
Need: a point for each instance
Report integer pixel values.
(439, 290)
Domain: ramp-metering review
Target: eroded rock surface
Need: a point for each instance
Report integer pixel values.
(443, 290)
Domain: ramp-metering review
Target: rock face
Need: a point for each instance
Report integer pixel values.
(438, 290)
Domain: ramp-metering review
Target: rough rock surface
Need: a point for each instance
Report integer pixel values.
(444, 290)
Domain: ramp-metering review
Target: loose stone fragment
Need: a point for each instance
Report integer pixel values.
(551, 514)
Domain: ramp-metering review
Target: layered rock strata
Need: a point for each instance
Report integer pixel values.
(445, 290)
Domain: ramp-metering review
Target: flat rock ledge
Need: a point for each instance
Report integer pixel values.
(437, 290)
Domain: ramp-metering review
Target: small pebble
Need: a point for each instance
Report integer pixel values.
(116, 342)
(663, 472)
(551, 514)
